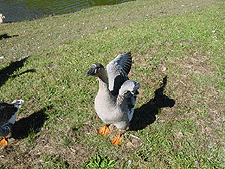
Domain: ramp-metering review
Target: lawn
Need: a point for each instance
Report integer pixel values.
(178, 58)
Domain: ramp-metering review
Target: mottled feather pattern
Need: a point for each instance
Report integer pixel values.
(119, 99)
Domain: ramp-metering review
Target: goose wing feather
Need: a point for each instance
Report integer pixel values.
(118, 70)
(127, 97)
(6, 112)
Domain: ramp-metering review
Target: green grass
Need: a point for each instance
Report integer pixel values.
(178, 40)
(99, 162)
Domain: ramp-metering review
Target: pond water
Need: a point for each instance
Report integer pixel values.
(18, 10)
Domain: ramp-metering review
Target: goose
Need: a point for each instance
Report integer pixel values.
(116, 97)
(8, 114)
(1, 18)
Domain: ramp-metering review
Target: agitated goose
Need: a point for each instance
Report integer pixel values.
(117, 95)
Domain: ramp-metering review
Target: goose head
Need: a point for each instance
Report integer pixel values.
(96, 70)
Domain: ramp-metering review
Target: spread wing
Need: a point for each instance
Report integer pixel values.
(118, 70)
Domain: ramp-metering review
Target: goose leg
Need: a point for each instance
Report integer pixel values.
(3, 142)
(104, 130)
(117, 140)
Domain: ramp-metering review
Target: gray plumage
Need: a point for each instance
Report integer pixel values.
(117, 95)
(8, 113)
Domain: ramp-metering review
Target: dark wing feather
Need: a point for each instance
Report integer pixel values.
(6, 112)
(125, 61)
(118, 70)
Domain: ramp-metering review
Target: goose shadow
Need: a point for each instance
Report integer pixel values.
(34, 122)
(6, 36)
(7, 71)
(145, 115)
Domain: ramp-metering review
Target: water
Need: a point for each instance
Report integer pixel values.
(18, 10)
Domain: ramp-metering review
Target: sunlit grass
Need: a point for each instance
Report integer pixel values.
(187, 47)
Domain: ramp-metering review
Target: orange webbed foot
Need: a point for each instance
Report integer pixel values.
(3, 142)
(116, 140)
(104, 130)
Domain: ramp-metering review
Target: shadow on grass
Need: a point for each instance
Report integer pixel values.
(27, 71)
(145, 115)
(6, 36)
(34, 122)
(7, 71)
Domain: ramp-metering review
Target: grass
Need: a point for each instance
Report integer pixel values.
(100, 162)
(178, 56)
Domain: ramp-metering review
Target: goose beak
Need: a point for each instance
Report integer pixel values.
(91, 71)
